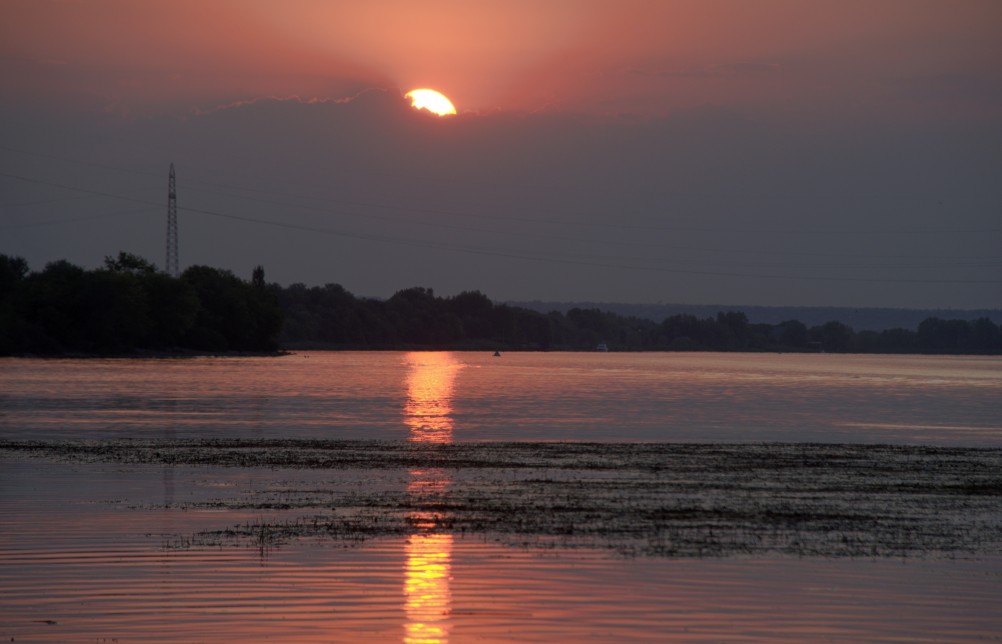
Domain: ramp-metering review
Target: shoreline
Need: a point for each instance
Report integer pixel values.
(289, 351)
(150, 355)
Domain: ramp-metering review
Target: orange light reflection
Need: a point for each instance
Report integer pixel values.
(430, 384)
(428, 414)
(426, 588)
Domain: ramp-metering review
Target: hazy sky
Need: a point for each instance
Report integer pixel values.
(823, 152)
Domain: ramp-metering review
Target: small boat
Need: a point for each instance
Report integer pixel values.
(602, 346)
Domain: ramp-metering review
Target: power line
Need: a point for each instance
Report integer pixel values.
(605, 241)
(72, 220)
(490, 252)
(532, 234)
(618, 225)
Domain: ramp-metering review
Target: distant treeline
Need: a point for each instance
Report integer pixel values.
(127, 305)
(860, 319)
(330, 316)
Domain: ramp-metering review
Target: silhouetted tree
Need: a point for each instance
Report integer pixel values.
(473, 309)
(128, 305)
(55, 308)
(733, 329)
(896, 341)
(943, 336)
(233, 315)
(129, 263)
(791, 334)
(173, 310)
(985, 337)
(13, 271)
(833, 336)
(117, 314)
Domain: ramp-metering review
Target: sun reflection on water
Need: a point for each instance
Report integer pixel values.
(426, 587)
(428, 414)
(430, 384)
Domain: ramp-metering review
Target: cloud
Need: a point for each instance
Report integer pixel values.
(313, 100)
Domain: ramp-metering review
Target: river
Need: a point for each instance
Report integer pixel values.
(93, 548)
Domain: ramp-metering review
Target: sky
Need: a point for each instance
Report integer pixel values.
(776, 152)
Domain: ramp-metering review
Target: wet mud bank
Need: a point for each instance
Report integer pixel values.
(661, 500)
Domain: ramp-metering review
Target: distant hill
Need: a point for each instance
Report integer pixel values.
(860, 319)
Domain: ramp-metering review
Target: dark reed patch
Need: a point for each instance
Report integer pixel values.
(663, 499)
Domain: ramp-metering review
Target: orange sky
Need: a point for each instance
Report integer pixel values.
(594, 56)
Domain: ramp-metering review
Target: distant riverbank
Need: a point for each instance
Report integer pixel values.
(129, 308)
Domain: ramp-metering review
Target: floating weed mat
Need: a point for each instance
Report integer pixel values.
(662, 500)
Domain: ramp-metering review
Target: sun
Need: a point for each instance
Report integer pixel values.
(429, 99)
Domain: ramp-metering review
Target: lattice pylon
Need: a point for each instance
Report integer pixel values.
(172, 265)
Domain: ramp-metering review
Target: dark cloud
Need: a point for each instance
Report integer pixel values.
(704, 206)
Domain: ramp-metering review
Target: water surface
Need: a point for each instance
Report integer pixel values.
(93, 551)
(706, 397)
(87, 554)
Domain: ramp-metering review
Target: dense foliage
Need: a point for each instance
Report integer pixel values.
(330, 316)
(127, 305)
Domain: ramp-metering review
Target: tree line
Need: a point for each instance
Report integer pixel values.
(127, 305)
(331, 317)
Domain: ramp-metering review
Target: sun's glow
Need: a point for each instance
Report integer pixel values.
(429, 99)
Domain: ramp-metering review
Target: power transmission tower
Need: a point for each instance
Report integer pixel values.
(172, 265)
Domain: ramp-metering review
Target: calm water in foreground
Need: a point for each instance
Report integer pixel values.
(95, 551)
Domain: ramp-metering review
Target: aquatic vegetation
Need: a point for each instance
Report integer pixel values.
(662, 500)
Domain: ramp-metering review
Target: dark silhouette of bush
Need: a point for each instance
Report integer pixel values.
(128, 306)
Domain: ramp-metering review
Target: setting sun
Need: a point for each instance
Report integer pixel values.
(429, 99)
